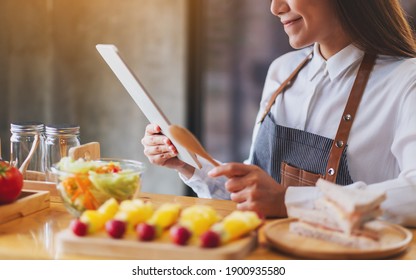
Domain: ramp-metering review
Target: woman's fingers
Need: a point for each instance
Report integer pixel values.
(240, 176)
(156, 150)
(152, 129)
(231, 170)
(155, 139)
(245, 200)
(157, 147)
(159, 154)
(244, 205)
(252, 188)
(238, 197)
(160, 159)
(236, 184)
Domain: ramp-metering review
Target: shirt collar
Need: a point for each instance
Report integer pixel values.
(336, 64)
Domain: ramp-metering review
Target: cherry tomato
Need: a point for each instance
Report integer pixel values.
(11, 183)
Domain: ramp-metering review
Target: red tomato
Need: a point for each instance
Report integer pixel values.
(11, 183)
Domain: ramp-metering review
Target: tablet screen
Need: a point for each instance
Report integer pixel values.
(141, 97)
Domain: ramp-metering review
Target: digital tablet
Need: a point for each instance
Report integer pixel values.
(145, 102)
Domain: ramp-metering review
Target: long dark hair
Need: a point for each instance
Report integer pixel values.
(378, 26)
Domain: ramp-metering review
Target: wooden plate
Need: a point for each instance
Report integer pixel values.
(101, 245)
(394, 240)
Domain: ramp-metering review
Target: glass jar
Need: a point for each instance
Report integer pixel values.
(25, 136)
(59, 139)
(0, 151)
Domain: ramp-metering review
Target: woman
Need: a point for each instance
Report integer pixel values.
(341, 108)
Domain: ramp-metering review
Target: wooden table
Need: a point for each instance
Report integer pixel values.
(33, 237)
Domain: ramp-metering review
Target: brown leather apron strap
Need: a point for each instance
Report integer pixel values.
(348, 117)
(283, 86)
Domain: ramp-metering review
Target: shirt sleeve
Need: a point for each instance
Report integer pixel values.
(404, 142)
(205, 186)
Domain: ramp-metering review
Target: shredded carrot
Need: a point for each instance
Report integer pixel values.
(89, 201)
(76, 194)
(80, 185)
(69, 185)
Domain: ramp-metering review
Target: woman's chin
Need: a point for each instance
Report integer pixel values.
(296, 44)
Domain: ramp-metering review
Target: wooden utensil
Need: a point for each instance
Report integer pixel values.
(89, 151)
(189, 141)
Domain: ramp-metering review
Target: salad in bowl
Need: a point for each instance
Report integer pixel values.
(86, 184)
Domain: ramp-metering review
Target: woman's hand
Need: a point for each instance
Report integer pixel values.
(252, 189)
(160, 151)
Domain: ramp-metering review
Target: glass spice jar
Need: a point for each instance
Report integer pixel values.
(59, 139)
(25, 137)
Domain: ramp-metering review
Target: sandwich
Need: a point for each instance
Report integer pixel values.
(343, 216)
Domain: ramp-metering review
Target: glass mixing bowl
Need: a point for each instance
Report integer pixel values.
(86, 185)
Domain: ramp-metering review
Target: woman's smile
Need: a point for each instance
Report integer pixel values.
(289, 22)
(311, 21)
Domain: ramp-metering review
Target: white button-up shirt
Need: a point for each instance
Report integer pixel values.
(381, 150)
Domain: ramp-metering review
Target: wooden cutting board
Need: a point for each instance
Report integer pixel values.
(394, 240)
(100, 245)
(28, 202)
(50, 187)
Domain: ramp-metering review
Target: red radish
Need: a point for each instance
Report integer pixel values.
(79, 228)
(180, 235)
(115, 228)
(210, 239)
(145, 231)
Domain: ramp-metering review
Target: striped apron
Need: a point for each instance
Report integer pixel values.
(298, 158)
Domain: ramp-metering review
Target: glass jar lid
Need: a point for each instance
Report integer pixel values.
(27, 127)
(62, 129)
